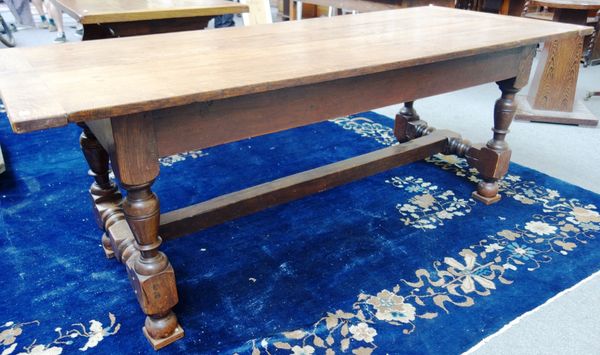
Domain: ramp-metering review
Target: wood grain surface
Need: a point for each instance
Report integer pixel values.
(94, 11)
(554, 83)
(109, 78)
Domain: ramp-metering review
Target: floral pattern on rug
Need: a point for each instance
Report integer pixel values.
(367, 128)
(458, 280)
(430, 206)
(175, 158)
(86, 337)
(436, 289)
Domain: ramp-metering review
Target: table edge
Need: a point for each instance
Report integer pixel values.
(133, 16)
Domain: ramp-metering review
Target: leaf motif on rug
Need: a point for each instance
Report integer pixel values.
(86, 337)
(367, 128)
(458, 280)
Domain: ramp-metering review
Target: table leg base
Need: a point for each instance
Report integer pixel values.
(580, 116)
(486, 200)
(2, 166)
(108, 253)
(106, 246)
(161, 343)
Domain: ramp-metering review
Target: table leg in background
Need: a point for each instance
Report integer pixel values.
(551, 97)
(106, 197)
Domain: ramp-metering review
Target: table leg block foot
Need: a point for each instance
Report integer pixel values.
(161, 343)
(107, 247)
(486, 200)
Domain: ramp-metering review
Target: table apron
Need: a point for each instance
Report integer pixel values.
(208, 124)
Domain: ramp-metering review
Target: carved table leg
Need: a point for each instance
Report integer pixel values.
(408, 125)
(491, 160)
(494, 158)
(106, 198)
(135, 160)
(150, 272)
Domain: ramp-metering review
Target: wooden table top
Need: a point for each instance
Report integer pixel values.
(105, 11)
(569, 4)
(53, 85)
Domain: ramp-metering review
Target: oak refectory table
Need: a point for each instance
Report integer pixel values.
(136, 104)
(123, 18)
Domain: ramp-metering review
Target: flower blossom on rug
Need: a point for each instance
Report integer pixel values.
(458, 280)
(92, 336)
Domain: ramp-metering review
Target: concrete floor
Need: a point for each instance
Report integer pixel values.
(569, 323)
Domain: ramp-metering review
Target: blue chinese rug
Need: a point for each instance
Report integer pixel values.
(401, 262)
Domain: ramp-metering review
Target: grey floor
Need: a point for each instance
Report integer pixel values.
(569, 324)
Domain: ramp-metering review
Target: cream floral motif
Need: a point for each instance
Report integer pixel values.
(430, 206)
(585, 215)
(362, 332)
(391, 307)
(175, 158)
(92, 336)
(456, 281)
(367, 128)
(540, 228)
(43, 350)
(304, 350)
(469, 272)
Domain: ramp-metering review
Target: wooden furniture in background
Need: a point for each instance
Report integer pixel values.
(512, 7)
(551, 97)
(591, 54)
(593, 47)
(311, 8)
(578, 13)
(259, 12)
(137, 104)
(117, 18)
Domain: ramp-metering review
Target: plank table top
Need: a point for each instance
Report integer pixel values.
(107, 11)
(51, 86)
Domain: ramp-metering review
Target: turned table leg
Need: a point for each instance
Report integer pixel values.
(408, 125)
(492, 159)
(150, 272)
(135, 160)
(106, 198)
(496, 152)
